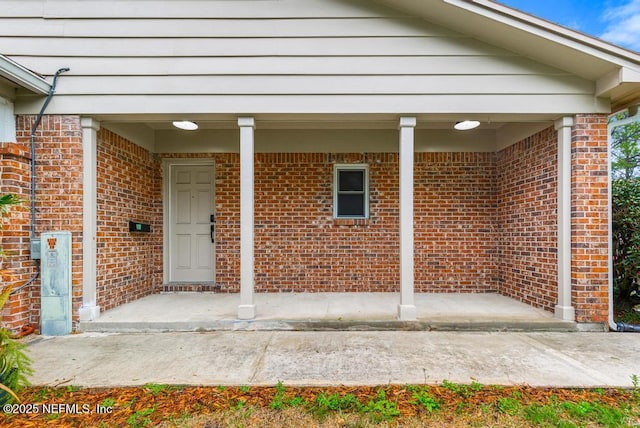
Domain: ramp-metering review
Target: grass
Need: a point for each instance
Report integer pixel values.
(447, 404)
(155, 388)
(423, 398)
(141, 418)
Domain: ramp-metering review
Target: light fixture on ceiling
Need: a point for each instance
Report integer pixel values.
(187, 125)
(466, 125)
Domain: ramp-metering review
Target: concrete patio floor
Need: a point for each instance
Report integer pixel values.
(327, 311)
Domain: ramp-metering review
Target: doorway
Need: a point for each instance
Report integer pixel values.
(190, 221)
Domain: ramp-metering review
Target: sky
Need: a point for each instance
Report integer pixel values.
(616, 21)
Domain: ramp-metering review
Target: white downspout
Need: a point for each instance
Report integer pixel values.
(612, 325)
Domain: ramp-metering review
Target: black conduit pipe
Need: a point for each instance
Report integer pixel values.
(627, 328)
(52, 90)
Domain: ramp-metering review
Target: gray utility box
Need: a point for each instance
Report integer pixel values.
(55, 263)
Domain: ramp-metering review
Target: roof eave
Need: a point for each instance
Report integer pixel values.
(23, 77)
(491, 8)
(617, 80)
(621, 86)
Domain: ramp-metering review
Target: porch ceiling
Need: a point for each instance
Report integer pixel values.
(159, 122)
(156, 133)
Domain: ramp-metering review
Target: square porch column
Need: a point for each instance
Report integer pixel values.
(89, 310)
(407, 307)
(563, 309)
(247, 308)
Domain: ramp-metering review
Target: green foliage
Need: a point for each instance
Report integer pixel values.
(381, 409)
(465, 391)
(569, 414)
(140, 418)
(626, 235)
(625, 149)
(280, 401)
(155, 388)
(277, 402)
(296, 401)
(15, 365)
(108, 402)
(423, 398)
(625, 164)
(325, 404)
(626, 313)
(378, 409)
(508, 405)
(595, 412)
(543, 415)
(6, 202)
(244, 388)
(239, 404)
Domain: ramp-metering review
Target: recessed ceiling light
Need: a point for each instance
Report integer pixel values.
(466, 125)
(187, 125)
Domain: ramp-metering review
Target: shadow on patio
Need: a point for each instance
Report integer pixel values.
(325, 311)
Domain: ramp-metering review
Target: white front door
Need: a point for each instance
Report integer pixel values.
(191, 211)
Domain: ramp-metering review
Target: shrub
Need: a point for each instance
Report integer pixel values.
(626, 235)
(15, 366)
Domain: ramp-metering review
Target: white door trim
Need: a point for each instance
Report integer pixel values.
(166, 200)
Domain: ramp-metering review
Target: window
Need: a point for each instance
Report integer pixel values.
(351, 191)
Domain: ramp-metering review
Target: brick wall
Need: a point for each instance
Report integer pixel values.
(129, 187)
(15, 176)
(300, 247)
(58, 205)
(527, 220)
(455, 211)
(589, 218)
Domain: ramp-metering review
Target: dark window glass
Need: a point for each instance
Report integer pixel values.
(351, 205)
(350, 189)
(351, 181)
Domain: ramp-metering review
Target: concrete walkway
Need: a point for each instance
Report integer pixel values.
(327, 311)
(330, 358)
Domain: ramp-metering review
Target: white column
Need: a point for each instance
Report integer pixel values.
(247, 308)
(407, 307)
(563, 309)
(89, 310)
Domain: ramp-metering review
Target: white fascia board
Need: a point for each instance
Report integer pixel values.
(21, 76)
(615, 79)
(548, 30)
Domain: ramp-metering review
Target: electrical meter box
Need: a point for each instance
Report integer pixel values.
(55, 264)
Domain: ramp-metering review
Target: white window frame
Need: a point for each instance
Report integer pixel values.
(351, 166)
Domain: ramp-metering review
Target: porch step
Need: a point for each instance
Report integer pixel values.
(335, 325)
